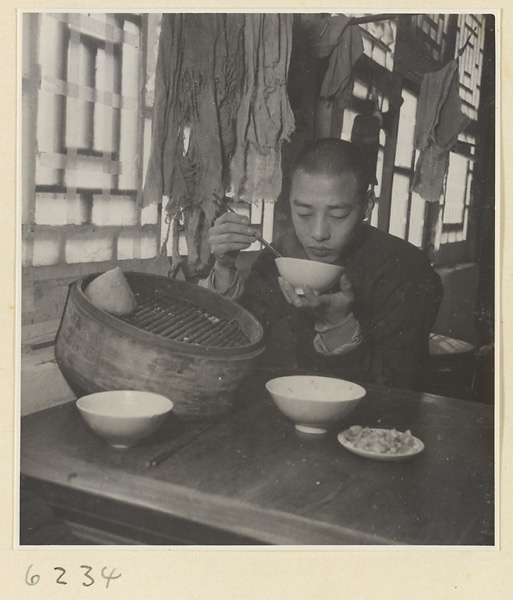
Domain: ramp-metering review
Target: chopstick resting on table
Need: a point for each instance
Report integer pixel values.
(161, 457)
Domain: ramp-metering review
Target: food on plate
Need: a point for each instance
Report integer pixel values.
(380, 441)
(112, 293)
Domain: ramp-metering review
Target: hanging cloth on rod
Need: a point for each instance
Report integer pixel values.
(221, 113)
(197, 91)
(264, 117)
(438, 123)
(332, 37)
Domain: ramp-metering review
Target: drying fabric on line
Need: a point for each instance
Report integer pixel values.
(343, 44)
(197, 92)
(221, 113)
(439, 121)
(265, 119)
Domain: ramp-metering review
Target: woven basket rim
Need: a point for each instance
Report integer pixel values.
(255, 347)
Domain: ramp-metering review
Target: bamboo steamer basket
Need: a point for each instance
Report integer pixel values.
(184, 342)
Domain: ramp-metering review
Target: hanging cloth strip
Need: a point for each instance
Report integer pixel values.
(265, 119)
(334, 36)
(343, 44)
(197, 92)
(439, 121)
(221, 113)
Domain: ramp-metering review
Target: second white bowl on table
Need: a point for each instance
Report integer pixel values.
(317, 275)
(124, 417)
(314, 403)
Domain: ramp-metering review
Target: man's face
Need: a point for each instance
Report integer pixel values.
(326, 213)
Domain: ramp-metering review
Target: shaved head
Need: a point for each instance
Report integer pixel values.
(333, 157)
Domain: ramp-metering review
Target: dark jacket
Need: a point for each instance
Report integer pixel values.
(396, 299)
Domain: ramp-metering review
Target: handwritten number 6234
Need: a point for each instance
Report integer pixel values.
(34, 579)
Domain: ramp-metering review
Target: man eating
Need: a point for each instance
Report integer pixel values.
(374, 325)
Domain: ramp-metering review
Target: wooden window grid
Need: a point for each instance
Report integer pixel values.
(431, 30)
(408, 213)
(82, 134)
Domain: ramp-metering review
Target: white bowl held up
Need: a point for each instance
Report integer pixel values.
(299, 272)
(124, 417)
(314, 403)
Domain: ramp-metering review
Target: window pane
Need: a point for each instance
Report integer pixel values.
(374, 215)
(404, 151)
(347, 125)
(379, 172)
(465, 224)
(399, 205)
(417, 214)
(455, 192)
(360, 89)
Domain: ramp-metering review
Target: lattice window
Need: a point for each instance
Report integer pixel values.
(471, 31)
(378, 39)
(408, 209)
(457, 196)
(407, 215)
(431, 31)
(83, 82)
(379, 42)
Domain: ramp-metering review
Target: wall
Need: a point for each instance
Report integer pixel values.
(44, 289)
(456, 317)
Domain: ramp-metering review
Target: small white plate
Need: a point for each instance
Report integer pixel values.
(419, 446)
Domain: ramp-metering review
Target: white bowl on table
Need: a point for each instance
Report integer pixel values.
(124, 417)
(314, 403)
(317, 275)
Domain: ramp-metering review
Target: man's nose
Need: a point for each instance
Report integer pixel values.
(320, 230)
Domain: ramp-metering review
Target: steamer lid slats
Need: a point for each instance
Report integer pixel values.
(184, 321)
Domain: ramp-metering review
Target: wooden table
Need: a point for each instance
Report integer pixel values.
(249, 478)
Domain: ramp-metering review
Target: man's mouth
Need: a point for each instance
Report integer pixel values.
(319, 251)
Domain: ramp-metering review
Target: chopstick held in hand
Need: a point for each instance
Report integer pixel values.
(257, 235)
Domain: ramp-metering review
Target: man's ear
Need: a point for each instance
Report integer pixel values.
(370, 200)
